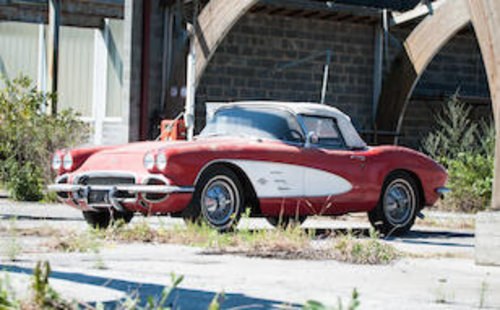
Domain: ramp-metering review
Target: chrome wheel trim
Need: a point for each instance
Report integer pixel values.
(399, 202)
(220, 201)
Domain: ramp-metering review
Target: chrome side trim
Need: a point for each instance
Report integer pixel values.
(131, 188)
(442, 191)
(158, 178)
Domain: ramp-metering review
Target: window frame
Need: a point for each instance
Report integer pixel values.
(294, 116)
(343, 145)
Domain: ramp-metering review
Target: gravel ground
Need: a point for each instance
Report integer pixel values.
(439, 274)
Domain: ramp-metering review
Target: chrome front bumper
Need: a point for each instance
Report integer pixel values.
(441, 191)
(82, 192)
(131, 188)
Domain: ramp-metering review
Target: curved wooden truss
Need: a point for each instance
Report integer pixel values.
(214, 22)
(424, 42)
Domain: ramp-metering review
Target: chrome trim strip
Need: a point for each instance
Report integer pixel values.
(443, 190)
(158, 177)
(131, 188)
(81, 192)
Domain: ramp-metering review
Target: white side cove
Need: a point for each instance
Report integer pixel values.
(275, 180)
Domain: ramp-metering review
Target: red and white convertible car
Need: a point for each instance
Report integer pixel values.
(284, 161)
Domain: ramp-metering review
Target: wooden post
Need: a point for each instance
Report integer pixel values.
(53, 48)
(378, 61)
(485, 17)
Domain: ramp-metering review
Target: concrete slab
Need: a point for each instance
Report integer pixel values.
(488, 238)
(440, 273)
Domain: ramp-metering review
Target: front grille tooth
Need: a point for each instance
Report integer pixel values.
(99, 196)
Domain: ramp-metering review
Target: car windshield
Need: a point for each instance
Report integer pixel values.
(256, 122)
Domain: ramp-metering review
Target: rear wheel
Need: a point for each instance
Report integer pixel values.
(398, 205)
(218, 199)
(285, 221)
(103, 218)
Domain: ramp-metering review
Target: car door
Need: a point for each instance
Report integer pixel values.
(333, 173)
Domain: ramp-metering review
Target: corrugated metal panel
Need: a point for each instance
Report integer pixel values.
(18, 50)
(114, 95)
(76, 56)
(114, 133)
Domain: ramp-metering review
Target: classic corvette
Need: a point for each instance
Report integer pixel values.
(283, 161)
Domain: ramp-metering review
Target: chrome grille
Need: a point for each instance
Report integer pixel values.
(100, 197)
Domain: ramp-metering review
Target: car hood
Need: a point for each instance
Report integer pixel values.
(130, 157)
(148, 146)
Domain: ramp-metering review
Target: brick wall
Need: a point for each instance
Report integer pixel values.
(245, 65)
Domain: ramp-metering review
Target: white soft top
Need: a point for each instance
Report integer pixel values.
(351, 136)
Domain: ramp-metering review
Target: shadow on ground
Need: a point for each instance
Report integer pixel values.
(38, 218)
(424, 237)
(437, 238)
(181, 298)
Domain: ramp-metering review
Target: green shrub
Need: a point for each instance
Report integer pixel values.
(364, 251)
(454, 133)
(8, 299)
(466, 149)
(25, 181)
(471, 181)
(29, 137)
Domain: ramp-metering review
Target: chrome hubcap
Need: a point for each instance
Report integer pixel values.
(399, 202)
(219, 201)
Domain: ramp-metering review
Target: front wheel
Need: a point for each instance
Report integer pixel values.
(286, 221)
(218, 199)
(398, 205)
(103, 218)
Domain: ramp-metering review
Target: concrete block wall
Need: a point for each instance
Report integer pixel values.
(458, 67)
(246, 65)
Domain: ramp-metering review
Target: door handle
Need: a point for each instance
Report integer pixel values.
(358, 157)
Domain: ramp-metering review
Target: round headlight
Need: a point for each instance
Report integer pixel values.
(149, 161)
(67, 161)
(161, 161)
(56, 162)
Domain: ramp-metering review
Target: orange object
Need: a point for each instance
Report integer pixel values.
(172, 130)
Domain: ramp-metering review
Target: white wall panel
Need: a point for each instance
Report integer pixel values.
(18, 50)
(76, 57)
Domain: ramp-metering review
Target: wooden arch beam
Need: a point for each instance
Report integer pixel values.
(485, 15)
(214, 22)
(419, 48)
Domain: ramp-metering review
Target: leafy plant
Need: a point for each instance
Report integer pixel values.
(316, 305)
(44, 296)
(8, 298)
(12, 248)
(471, 180)
(24, 182)
(466, 149)
(133, 303)
(455, 132)
(364, 251)
(28, 137)
(86, 241)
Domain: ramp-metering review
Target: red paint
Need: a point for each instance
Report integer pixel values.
(186, 160)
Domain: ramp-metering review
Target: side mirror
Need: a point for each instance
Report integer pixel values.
(311, 139)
